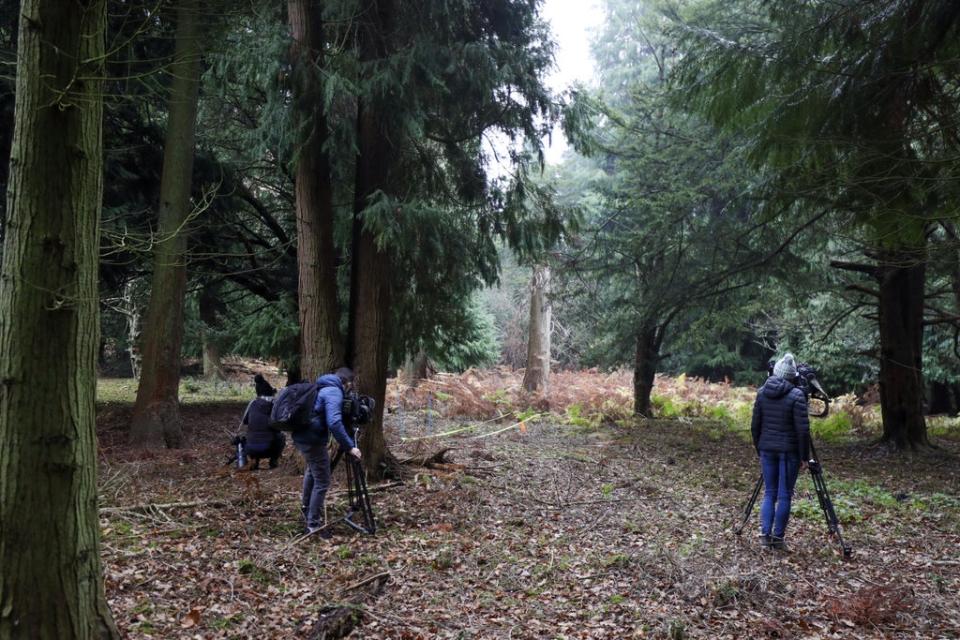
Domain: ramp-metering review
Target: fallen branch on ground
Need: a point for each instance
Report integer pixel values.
(163, 506)
(385, 574)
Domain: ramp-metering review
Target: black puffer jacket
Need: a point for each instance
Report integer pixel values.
(780, 420)
(260, 435)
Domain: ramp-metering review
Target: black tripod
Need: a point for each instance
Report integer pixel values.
(358, 497)
(823, 497)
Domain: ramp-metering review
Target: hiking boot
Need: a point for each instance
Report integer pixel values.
(777, 543)
(764, 541)
(323, 532)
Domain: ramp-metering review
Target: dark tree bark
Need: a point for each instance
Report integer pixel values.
(370, 348)
(941, 399)
(156, 414)
(51, 583)
(370, 286)
(321, 347)
(901, 276)
(646, 358)
(537, 375)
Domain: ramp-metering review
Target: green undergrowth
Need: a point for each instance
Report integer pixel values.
(736, 416)
(731, 416)
(192, 390)
(944, 427)
(859, 501)
(836, 427)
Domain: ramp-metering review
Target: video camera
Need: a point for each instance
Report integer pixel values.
(807, 381)
(357, 410)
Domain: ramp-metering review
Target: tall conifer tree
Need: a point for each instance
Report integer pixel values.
(156, 414)
(51, 584)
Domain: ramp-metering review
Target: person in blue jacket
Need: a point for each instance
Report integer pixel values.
(781, 436)
(326, 419)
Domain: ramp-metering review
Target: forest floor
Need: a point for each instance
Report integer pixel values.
(553, 530)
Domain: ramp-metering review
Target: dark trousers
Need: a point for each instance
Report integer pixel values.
(316, 481)
(779, 476)
(272, 451)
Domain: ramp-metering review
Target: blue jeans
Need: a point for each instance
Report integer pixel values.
(316, 481)
(779, 476)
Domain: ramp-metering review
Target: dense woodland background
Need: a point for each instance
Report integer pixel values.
(309, 184)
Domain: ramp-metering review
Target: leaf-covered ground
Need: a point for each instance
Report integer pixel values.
(557, 530)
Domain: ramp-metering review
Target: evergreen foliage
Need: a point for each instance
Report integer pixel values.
(850, 110)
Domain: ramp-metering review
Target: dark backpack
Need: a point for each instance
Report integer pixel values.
(292, 407)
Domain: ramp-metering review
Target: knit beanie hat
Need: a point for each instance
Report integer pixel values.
(262, 386)
(786, 367)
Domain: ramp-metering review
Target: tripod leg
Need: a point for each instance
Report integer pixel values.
(829, 514)
(336, 459)
(748, 509)
(359, 498)
(363, 498)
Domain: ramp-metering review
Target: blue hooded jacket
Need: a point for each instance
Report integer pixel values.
(326, 417)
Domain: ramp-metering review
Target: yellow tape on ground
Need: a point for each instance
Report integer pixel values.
(460, 430)
(513, 426)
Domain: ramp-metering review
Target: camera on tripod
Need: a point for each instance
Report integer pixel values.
(807, 381)
(357, 410)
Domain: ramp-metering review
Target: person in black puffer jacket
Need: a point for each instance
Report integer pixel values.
(781, 436)
(263, 441)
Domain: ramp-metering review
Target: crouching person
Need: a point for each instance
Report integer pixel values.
(263, 441)
(326, 419)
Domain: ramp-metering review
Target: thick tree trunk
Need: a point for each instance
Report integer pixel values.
(901, 275)
(212, 359)
(51, 584)
(370, 286)
(211, 309)
(321, 347)
(537, 375)
(646, 358)
(941, 399)
(156, 414)
(370, 348)
(416, 368)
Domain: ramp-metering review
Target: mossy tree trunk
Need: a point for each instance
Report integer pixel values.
(51, 584)
(156, 414)
(321, 346)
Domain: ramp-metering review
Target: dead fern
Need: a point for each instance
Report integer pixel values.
(872, 606)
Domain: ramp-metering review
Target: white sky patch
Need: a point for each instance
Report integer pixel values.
(573, 24)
